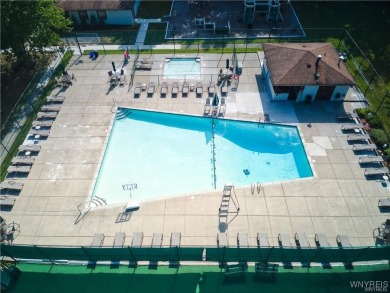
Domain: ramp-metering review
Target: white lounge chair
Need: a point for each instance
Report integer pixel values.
(44, 123)
(157, 240)
(222, 105)
(138, 89)
(119, 239)
(185, 89)
(284, 240)
(343, 241)
(11, 185)
(50, 108)
(358, 137)
(22, 160)
(242, 239)
(175, 239)
(384, 203)
(346, 116)
(57, 99)
(137, 239)
(364, 147)
(302, 240)
(175, 89)
(43, 133)
(164, 89)
(7, 202)
(211, 89)
(370, 159)
(151, 88)
(321, 240)
(351, 126)
(19, 169)
(199, 89)
(224, 90)
(46, 115)
(262, 240)
(97, 240)
(207, 106)
(29, 148)
(376, 171)
(222, 240)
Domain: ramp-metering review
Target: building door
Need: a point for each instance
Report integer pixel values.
(324, 93)
(293, 93)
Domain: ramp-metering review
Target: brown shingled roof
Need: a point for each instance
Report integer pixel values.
(295, 64)
(74, 5)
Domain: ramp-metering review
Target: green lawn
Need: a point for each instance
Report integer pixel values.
(154, 9)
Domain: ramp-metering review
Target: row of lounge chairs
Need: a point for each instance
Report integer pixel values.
(360, 135)
(137, 241)
(215, 109)
(283, 240)
(175, 89)
(22, 163)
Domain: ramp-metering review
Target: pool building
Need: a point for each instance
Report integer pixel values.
(56, 206)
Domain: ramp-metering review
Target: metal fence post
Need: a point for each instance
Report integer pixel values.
(90, 258)
(43, 254)
(101, 40)
(78, 44)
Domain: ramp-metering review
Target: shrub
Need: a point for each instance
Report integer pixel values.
(374, 121)
(387, 153)
(363, 112)
(380, 137)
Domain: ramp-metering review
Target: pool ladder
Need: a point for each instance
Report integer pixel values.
(256, 186)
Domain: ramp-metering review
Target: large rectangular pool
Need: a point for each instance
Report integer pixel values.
(170, 155)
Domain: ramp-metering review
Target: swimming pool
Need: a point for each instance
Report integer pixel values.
(170, 154)
(182, 68)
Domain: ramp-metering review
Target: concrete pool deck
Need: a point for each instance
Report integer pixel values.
(338, 200)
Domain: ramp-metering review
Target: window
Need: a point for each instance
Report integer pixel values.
(83, 15)
(281, 89)
(102, 14)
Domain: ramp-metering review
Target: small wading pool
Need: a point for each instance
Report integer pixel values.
(171, 154)
(182, 68)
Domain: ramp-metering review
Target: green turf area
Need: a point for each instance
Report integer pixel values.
(154, 9)
(67, 278)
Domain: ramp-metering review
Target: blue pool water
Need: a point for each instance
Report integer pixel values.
(182, 68)
(169, 155)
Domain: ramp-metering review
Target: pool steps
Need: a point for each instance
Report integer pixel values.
(122, 113)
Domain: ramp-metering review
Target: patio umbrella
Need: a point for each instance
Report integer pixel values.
(215, 100)
(113, 66)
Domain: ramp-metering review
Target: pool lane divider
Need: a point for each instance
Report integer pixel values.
(213, 151)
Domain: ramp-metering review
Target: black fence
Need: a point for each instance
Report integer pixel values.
(214, 254)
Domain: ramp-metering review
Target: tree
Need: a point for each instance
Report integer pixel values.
(30, 26)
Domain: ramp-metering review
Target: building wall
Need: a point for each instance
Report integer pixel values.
(340, 92)
(267, 81)
(308, 90)
(120, 17)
